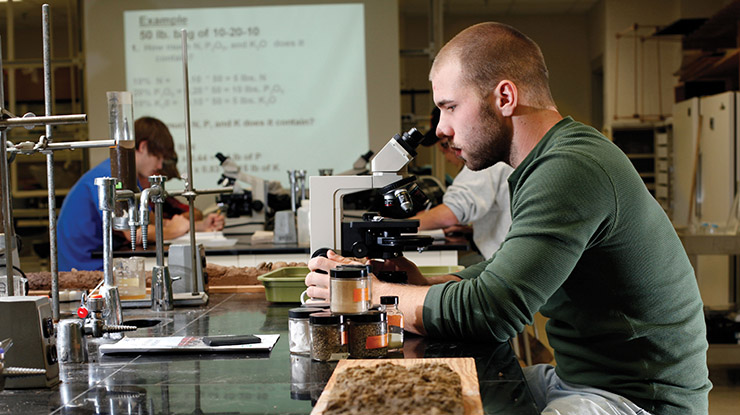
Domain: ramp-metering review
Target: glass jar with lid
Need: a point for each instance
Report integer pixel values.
(328, 336)
(368, 334)
(298, 330)
(349, 289)
(395, 322)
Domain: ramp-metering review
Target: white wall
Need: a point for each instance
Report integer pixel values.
(564, 41)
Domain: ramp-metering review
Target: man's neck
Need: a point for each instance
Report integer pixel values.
(530, 125)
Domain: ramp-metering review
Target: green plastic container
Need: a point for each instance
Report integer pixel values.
(285, 285)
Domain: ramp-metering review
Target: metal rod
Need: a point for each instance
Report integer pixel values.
(50, 182)
(5, 193)
(185, 193)
(72, 145)
(44, 120)
(108, 247)
(8, 223)
(188, 151)
(158, 232)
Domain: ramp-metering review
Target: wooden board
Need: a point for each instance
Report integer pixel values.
(214, 289)
(464, 366)
(226, 289)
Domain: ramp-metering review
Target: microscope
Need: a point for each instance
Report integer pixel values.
(242, 202)
(374, 236)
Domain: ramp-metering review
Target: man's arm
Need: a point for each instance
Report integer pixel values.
(437, 217)
(410, 302)
(172, 228)
(410, 296)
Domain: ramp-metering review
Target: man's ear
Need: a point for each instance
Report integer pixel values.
(143, 147)
(506, 97)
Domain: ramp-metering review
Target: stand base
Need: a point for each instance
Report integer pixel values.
(181, 300)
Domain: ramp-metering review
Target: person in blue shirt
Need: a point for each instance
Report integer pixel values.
(80, 224)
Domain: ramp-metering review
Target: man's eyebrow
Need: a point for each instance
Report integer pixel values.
(443, 102)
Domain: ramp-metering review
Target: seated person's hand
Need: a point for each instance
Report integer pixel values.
(318, 279)
(458, 232)
(176, 226)
(212, 222)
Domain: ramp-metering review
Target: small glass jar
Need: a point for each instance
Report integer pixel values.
(299, 336)
(395, 322)
(328, 337)
(349, 290)
(368, 334)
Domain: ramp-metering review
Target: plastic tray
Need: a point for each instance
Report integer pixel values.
(286, 284)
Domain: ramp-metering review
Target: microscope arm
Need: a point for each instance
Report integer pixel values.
(326, 205)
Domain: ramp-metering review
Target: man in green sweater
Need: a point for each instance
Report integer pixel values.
(588, 247)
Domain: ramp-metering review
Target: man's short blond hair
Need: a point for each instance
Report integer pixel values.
(491, 52)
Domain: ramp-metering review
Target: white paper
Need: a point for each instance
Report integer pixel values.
(180, 344)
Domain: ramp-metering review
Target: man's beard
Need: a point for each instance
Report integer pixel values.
(490, 141)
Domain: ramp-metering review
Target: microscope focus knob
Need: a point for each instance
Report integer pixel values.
(257, 205)
(359, 250)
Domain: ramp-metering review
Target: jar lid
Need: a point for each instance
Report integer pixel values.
(302, 312)
(326, 317)
(349, 271)
(369, 317)
(367, 267)
(316, 305)
(389, 299)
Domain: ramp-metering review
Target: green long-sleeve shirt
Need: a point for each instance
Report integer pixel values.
(591, 249)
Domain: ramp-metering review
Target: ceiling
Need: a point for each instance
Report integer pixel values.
(502, 7)
(28, 12)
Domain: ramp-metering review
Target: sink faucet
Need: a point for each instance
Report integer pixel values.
(162, 299)
(107, 197)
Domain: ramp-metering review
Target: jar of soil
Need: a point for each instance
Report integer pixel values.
(328, 337)
(368, 334)
(349, 290)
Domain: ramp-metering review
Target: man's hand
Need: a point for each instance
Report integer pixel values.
(318, 279)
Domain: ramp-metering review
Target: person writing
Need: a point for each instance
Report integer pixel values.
(80, 224)
(588, 247)
(480, 198)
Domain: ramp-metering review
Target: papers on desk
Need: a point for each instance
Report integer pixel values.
(208, 239)
(181, 344)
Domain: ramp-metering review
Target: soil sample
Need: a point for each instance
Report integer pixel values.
(423, 389)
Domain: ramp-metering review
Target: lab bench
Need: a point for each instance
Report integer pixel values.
(257, 383)
(245, 254)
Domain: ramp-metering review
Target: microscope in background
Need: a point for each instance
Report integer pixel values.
(242, 203)
(374, 236)
(359, 166)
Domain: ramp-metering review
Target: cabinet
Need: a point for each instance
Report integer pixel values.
(712, 121)
(649, 148)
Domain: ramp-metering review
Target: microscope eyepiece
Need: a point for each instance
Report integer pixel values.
(410, 140)
(413, 137)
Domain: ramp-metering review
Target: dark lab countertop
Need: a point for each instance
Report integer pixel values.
(258, 383)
